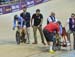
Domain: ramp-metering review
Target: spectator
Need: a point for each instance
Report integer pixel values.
(38, 18)
(52, 18)
(71, 22)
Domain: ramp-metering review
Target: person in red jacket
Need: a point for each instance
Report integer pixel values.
(49, 32)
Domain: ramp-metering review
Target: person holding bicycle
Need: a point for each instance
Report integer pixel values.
(49, 32)
(26, 21)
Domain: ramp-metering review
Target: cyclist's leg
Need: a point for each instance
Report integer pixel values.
(23, 27)
(18, 35)
(20, 30)
(23, 34)
(23, 30)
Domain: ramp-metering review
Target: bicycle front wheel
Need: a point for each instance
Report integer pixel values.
(17, 37)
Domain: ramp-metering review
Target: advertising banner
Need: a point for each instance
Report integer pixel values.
(15, 7)
(30, 3)
(1, 10)
(38, 1)
(19, 6)
(7, 9)
(23, 4)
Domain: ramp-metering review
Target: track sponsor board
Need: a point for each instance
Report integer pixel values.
(19, 6)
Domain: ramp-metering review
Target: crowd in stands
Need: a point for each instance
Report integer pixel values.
(8, 1)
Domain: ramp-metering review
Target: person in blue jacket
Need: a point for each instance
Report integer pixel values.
(18, 21)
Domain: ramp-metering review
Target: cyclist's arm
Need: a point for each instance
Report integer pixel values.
(14, 23)
(60, 29)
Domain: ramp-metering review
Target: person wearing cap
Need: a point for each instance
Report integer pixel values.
(26, 17)
(38, 18)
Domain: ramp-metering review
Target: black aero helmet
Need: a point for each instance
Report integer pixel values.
(59, 22)
(15, 17)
